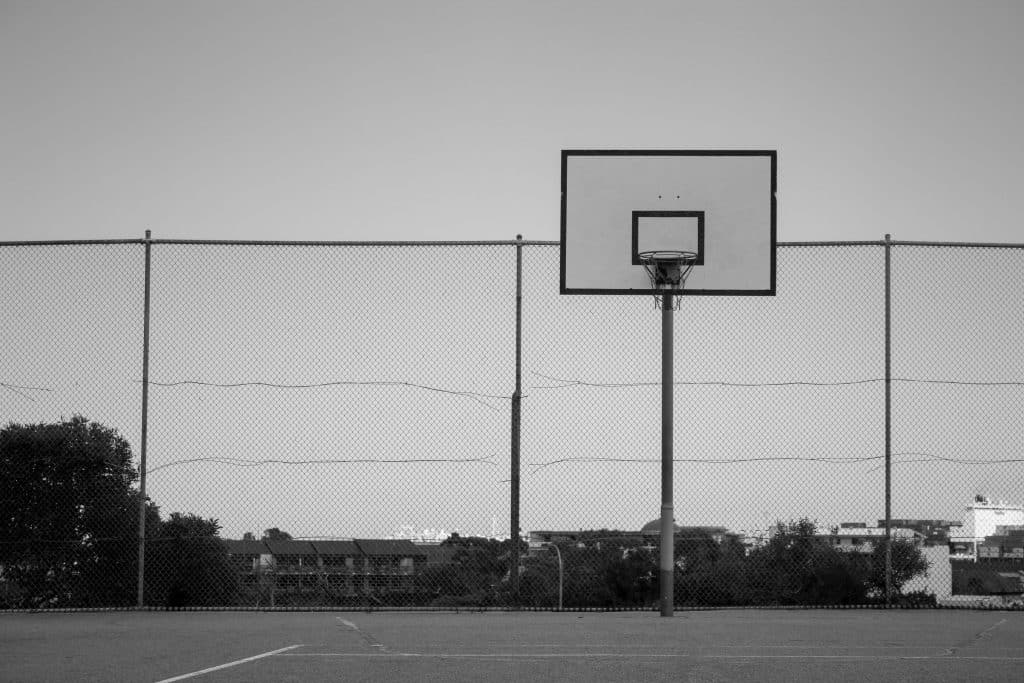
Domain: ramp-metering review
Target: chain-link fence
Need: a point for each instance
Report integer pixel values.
(331, 425)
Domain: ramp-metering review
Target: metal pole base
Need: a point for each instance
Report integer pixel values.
(666, 600)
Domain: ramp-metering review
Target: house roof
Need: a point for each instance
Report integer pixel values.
(245, 547)
(291, 548)
(402, 546)
(336, 547)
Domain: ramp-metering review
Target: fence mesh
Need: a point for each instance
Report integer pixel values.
(71, 340)
(329, 425)
(958, 422)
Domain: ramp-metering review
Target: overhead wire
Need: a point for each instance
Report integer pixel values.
(247, 462)
(566, 383)
(18, 389)
(472, 395)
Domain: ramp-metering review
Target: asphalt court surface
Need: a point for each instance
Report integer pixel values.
(733, 645)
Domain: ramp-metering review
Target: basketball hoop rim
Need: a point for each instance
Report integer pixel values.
(668, 270)
(660, 256)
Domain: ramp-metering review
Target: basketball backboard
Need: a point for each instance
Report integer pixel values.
(718, 204)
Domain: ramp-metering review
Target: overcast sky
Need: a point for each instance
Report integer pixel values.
(444, 120)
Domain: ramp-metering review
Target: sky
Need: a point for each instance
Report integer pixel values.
(358, 121)
(445, 120)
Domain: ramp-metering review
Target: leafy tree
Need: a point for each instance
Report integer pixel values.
(480, 562)
(631, 572)
(723, 583)
(477, 573)
(587, 571)
(796, 567)
(538, 582)
(695, 550)
(68, 514)
(188, 564)
(907, 562)
(441, 579)
(275, 534)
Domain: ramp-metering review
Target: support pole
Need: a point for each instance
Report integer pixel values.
(140, 599)
(667, 560)
(517, 397)
(888, 420)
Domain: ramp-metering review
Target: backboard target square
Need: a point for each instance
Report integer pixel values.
(720, 204)
(675, 230)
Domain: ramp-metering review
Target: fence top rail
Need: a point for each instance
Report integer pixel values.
(62, 243)
(282, 243)
(473, 243)
(906, 243)
(982, 245)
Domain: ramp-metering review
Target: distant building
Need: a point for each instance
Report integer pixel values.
(1006, 543)
(421, 536)
(580, 538)
(298, 571)
(934, 531)
(648, 535)
(982, 519)
(858, 537)
(719, 534)
(987, 554)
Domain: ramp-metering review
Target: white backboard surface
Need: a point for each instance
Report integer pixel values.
(719, 203)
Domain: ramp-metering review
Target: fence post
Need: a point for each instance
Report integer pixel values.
(517, 398)
(888, 420)
(140, 599)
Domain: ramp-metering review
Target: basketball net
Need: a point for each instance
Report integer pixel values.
(668, 271)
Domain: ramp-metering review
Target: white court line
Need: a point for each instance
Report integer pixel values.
(229, 664)
(640, 646)
(367, 638)
(991, 628)
(620, 655)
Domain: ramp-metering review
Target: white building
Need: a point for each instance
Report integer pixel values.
(981, 519)
(418, 535)
(862, 538)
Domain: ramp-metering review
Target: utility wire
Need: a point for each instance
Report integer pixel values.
(931, 457)
(245, 462)
(836, 460)
(328, 384)
(569, 383)
(19, 389)
(476, 396)
(711, 461)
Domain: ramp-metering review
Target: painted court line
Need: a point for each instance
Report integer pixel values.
(620, 655)
(984, 634)
(952, 651)
(229, 664)
(642, 646)
(366, 637)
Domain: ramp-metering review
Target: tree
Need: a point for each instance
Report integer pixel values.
(538, 581)
(68, 514)
(275, 534)
(631, 573)
(907, 562)
(188, 564)
(798, 567)
(479, 561)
